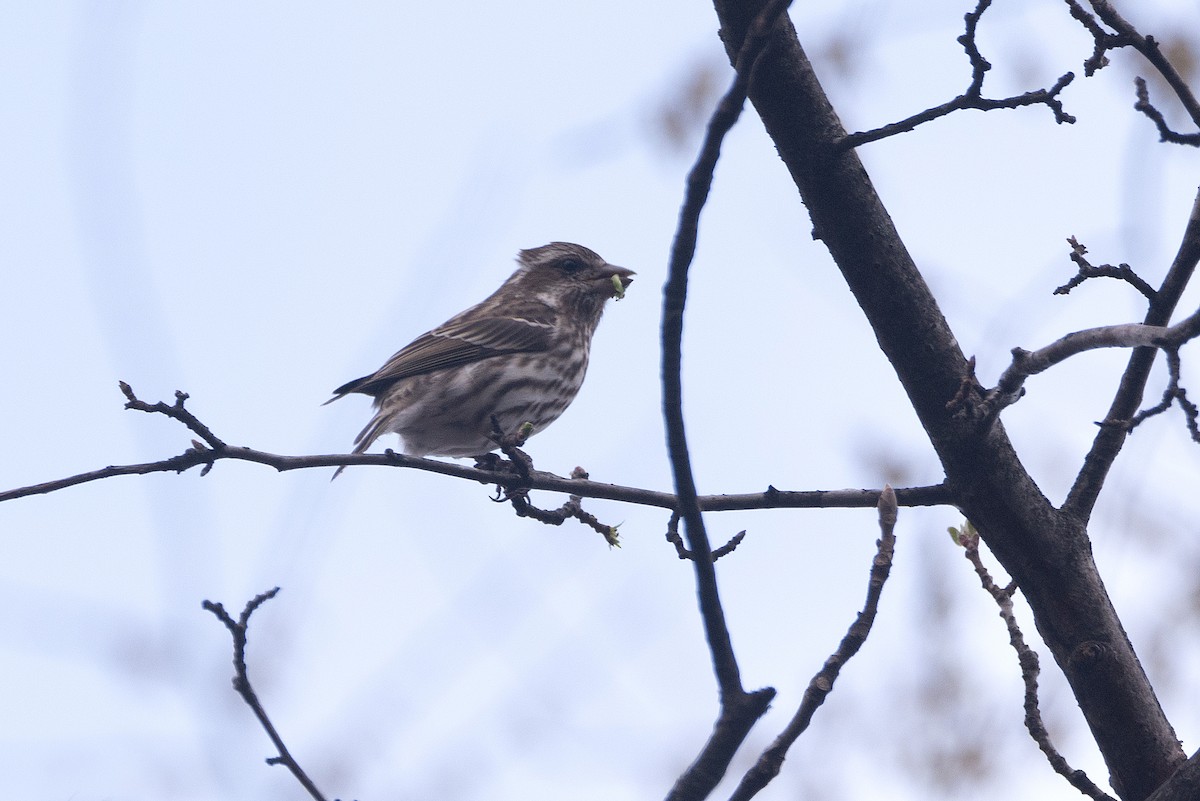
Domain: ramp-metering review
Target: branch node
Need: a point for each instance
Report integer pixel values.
(241, 684)
(1122, 272)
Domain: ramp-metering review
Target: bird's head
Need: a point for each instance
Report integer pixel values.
(563, 272)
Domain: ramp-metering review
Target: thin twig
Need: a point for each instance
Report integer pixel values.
(683, 553)
(768, 765)
(771, 498)
(973, 97)
(1111, 437)
(1122, 272)
(1174, 394)
(241, 684)
(572, 509)
(1027, 658)
(1125, 35)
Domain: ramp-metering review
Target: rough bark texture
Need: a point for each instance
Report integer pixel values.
(1045, 550)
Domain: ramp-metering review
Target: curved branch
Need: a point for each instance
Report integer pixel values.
(1128, 36)
(674, 300)
(739, 709)
(1010, 387)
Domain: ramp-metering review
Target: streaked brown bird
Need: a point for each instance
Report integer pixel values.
(520, 355)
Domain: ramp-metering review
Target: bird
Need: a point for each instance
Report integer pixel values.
(518, 358)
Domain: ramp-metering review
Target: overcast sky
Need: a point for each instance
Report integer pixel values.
(256, 202)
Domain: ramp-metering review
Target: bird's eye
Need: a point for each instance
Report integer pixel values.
(571, 265)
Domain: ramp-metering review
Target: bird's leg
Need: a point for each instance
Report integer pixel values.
(510, 446)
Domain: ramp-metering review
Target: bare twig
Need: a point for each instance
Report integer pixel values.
(573, 508)
(1111, 437)
(1125, 35)
(681, 549)
(521, 464)
(968, 538)
(175, 411)
(768, 765)
(973, 97)
(1122, 272)
(1165, 132)
(241, 684)
(1173, 394)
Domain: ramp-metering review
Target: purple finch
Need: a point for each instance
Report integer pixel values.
(519, 356)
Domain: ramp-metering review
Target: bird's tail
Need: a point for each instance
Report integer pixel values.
(366, 438)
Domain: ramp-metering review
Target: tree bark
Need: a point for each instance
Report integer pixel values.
(1046, 551)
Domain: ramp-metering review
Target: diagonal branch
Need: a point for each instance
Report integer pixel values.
(768, 765)
(1027, 658)
(1125, 35)
(241, 684)
(1110, 439)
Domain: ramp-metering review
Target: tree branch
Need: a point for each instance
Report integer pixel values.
(1047, 552)
(1110, 438)
(674, 301)
(973, 97)
(1010, 386)
(1027, 658)
(1125, 35)
(739, 709)
(1184, 785)
(768, 765)
(241, 684)
(198, 454)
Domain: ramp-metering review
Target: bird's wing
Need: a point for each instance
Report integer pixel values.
(460, 341)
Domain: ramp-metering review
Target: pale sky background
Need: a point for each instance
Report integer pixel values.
(255, 202)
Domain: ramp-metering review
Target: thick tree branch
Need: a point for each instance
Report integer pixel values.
(1184, 785)
(1047, 552)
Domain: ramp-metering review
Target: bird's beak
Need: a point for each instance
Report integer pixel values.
(620, 278)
